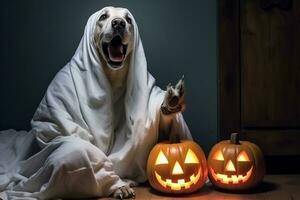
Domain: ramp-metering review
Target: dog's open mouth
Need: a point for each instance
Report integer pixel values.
(115, 51)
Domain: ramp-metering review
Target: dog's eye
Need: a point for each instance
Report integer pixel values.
(128, 19)
(103, 16)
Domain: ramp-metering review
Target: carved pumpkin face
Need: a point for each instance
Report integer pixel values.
(235, 165)
(177, 167)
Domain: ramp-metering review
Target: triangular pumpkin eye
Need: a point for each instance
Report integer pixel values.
(161, 159)
(191, 157)
(243, 157)
(218, 155)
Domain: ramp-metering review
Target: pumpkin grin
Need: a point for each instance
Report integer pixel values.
(180, 184)
(233, 179)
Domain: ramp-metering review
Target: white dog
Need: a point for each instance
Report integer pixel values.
(99, 119)
(113, 39)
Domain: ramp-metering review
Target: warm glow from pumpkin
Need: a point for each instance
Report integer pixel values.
(191, 158)
(218, 156)
(243, 157)
(234, 179)
(180, 183)
(236, 165)
(229, 166)
(177, 169)
(161, 159)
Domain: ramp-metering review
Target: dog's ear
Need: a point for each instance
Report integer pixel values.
(97, 32)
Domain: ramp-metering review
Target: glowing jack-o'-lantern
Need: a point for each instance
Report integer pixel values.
(177, 167)
(235, 165)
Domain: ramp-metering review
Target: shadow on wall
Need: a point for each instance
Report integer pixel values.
(40, 37)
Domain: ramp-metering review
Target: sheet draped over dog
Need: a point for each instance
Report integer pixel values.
(82, 153)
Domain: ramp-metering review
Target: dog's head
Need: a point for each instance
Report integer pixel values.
(114, 36)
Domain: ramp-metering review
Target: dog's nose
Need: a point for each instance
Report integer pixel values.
(118, 24)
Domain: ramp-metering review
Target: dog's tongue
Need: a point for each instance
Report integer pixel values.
(115, 52)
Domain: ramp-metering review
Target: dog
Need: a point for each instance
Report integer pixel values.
(113, 39)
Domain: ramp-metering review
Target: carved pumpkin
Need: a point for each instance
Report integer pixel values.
(177, 167)
(235, 165)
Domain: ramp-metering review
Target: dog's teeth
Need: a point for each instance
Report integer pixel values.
(121, 48)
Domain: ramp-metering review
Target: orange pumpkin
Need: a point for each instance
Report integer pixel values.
(177, 167)
(236, 165)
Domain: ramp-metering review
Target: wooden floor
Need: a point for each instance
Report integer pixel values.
(274, 187)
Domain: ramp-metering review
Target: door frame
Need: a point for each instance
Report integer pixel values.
(229, 83)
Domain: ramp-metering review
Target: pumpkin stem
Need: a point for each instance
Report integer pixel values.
(235, 138)
(174, 138)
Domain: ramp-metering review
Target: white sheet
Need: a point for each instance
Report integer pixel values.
(83, 154)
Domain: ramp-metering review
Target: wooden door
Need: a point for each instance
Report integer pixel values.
(259, 76)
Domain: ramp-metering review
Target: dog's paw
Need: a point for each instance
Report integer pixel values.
(124, 192)
(174, 98)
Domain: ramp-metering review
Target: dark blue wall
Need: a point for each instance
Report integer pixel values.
(39, 37)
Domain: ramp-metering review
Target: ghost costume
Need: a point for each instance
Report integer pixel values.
(91, 142)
